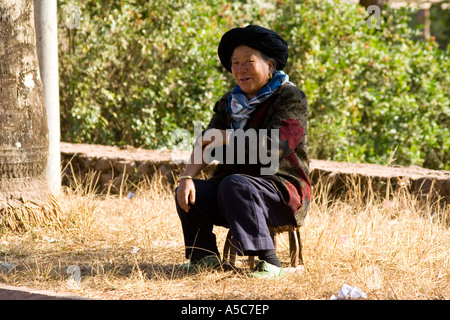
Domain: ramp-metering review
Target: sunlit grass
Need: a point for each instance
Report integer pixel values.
(130, 248)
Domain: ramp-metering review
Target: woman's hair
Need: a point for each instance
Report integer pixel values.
(267, 58)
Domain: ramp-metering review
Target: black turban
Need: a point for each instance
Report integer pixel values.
(264, 40)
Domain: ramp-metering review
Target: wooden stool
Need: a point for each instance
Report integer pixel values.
(295, 249)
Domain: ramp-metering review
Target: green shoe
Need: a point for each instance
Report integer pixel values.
(265, 270)
(202, 264)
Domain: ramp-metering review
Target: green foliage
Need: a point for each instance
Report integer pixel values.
(374, 94)
(135, 71)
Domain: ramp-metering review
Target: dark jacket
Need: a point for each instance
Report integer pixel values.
(286, 110)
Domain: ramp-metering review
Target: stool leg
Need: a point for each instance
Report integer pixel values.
(229, 250)
(300, 249)
(294, 248)
(226, 247)
(273, 235)
(251, 262)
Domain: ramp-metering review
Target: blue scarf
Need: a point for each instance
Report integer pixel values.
(240, 107)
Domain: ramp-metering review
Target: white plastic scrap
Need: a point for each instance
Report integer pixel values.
(135, 250)
(5, 266)
(49, 239)
(349, 293)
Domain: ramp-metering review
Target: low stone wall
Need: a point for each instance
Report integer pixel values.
(110, 166)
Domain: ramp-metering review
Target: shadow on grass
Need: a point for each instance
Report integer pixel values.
(57, 269)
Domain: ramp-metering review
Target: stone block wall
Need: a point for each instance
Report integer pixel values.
(109, 166)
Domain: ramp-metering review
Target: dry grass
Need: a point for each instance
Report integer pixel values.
(131, 249)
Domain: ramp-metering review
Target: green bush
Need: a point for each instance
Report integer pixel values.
(135, 71)
(374, 94)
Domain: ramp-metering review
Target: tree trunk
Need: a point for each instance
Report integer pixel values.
(367, 3)
(23, 123)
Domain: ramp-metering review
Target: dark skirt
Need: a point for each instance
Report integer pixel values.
(247, 205)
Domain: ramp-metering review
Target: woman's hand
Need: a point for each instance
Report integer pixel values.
(186, 194)
(186, 188)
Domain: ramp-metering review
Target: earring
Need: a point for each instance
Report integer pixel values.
(270, 76)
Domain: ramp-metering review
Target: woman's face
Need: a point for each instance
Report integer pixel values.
(250, 71)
